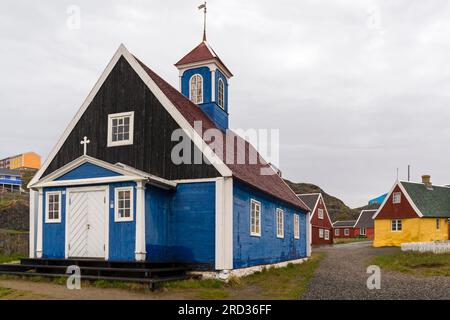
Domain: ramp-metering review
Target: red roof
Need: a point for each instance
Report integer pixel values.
(202, 52)
(248, 173)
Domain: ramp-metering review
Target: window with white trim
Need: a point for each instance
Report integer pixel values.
(362, 231)
(336, 232)
(321, 233)
(124, 204)
(320, 213)
(397, 197)
(120, 129)
(196, 89)
(346, 232)
(53, 207)
(221, 94)
(396, 225)
(296, 226)
(280, 223)
(255, 218)
(327, 234)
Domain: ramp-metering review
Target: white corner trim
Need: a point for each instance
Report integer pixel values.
(308, 235)
(130, 139)
(33, 219)
(40, 222)
(140, 252)
(116, 204)
(224, 224)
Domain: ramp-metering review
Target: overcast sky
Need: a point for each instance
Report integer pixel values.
(357, 88)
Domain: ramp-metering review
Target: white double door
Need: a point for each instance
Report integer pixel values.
(87, 223)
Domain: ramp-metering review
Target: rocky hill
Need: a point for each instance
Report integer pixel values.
(337, 209)
(14, 212)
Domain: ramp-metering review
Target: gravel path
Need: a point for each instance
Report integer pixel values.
(342, 275)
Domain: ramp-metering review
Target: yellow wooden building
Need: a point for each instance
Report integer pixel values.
(28, 160)
(413, 212)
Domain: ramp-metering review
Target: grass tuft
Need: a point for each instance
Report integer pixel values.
(425, 264)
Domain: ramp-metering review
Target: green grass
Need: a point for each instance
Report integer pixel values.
(4, 292)
(349, 240)
(275, 283)
(11, 258)
(425, 264)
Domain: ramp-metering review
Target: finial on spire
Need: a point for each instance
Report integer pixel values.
(203, 6)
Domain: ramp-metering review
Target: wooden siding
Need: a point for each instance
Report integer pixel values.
(318, 224)
(124, 91)
(400, 210)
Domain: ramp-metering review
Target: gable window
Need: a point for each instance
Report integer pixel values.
(438, 224)
(362, 231)
(336, 232)
(320, 214)
(296, 226)
(397, 197)
(396, 225)
(327, 234)
(346, 232)
(123, 204)
(120, 129)
(221, 96)
(280, 223)
(196, 89)
(255, 218)
(53, 210)
(321, 233)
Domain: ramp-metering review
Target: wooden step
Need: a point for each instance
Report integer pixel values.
(122, 279)
(101, 263)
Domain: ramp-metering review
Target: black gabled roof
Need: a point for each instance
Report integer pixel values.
(310, 199)
(344, 223)
(365, 219)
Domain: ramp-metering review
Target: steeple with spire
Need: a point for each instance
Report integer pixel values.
(204, 80)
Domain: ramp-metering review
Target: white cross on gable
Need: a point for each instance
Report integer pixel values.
(85, 142)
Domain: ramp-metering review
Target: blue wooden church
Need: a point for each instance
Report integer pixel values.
(110, 190)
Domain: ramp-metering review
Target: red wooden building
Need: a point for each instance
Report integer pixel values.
(344, 229)
(321, 225)
(364, 226)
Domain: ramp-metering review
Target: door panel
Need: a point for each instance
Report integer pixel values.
(87, 224)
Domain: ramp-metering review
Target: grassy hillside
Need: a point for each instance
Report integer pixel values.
(337, 209)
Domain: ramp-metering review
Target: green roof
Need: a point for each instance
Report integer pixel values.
(432, 202)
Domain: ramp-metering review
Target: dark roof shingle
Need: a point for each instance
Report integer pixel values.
(365, 219)
(248, 173)
(346, 223)
(433, 202)
(309, 199)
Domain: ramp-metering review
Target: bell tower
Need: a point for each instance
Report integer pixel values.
(204, 80)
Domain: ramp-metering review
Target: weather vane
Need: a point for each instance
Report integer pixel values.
(203, 6)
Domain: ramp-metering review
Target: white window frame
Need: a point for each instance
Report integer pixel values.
(321, 233)
(202, 87)
(253, 231)
(327, 234)
(221, 98)
(113, 116)
(395, 223)
(362, 231)
(296, 226)
(320, 213)
(279, 215)
(397, 198)
(117, 218)
(47, 196)
(346, 232)
(337, 232)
